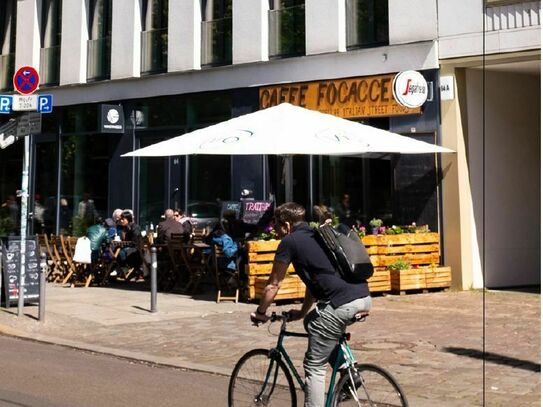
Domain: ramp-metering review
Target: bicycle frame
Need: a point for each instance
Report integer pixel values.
(345, 358)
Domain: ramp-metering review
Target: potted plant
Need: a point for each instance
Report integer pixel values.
(375, 224)
(399, 265)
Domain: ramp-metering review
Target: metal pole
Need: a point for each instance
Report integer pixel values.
(43, 265)
(153, 279)
(24, 213)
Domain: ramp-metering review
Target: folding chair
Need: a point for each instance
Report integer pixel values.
(224, 277)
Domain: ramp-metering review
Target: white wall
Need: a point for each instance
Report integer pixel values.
(413, 20)
(249, 31)
(27, 41)
(126, 39)
(325, 26)
(512, 192)
(73, 47)
(184, 35)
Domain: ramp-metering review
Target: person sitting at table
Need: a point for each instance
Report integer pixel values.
(168, 226)
(230, 249)
(112, 224)
(98, 237)
(184, 220)
(131, 232)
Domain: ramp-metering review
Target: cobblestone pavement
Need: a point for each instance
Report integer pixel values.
(432, 343)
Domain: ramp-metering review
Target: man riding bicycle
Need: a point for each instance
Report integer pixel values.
(338, 302)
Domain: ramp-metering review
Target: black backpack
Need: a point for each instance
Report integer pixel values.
(347, 253)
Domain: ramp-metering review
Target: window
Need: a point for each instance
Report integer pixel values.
(217, 32)
(367, 23)
(154, 38)
(99, 44)
(8, 18)
(51, 31)
(287, 28)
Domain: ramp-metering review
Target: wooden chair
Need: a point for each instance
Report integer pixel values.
(196, 267)
(225, 278)
(176, 266)
(76, 271)
(198, 234)
(59, 263)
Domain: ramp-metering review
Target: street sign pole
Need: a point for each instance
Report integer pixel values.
(24, 215)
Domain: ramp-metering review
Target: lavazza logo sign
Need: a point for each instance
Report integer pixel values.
(113, 118)
(410, 89)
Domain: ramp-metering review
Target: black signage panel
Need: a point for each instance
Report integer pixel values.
(29, 123)
(231, 207)
(257, 212)
(11, 263)
(111, 119)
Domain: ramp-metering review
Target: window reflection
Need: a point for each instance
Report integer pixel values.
(45, 188)
(152, 194)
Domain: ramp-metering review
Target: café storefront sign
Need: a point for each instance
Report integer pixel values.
(348, 98)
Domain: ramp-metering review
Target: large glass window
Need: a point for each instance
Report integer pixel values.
(8, 19)
(84, 180)
(367, 23)
(217, 32)
(287, 28)
(45, 187)
(11, 165)
(154, 38)
(51, 31)
(99, 44)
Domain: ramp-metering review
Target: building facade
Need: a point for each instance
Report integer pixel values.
(172, 66)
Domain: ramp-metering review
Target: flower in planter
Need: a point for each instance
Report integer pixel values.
(361, 231)
(382, 230)
(394, 230)
(376, 223)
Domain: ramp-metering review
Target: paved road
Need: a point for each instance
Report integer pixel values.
(40, 375)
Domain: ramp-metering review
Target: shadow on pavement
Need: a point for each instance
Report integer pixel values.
(495, 358)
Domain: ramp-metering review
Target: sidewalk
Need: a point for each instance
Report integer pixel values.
(432, 343)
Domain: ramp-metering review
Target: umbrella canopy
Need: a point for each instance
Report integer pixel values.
(287, 130)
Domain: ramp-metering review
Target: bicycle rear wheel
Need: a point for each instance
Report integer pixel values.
(378, 389)
(258, 380)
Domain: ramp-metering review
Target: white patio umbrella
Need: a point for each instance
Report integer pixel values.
(287, 130)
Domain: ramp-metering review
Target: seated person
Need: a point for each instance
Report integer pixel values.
(168, 226)
(98, 237)
(229, 247)
(131, 232)
(180, 217)
(112, 224)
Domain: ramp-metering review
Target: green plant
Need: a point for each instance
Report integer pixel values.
(394, 230)
(399, 265)
(314, 225)
(376, 223)
(6, 226)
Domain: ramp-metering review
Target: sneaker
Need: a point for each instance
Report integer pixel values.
(345, 393)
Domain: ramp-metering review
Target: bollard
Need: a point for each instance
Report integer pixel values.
(43, 265)
(153, 279)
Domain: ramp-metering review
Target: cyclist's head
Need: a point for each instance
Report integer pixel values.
(287, 215)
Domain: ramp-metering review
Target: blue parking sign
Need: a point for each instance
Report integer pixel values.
(5, 104)
(45, 103)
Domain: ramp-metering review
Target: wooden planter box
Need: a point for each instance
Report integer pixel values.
(380, 281)
(420, 278)
(292, 287)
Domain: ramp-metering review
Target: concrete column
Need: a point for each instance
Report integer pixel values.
(250, 31)
(27, 40)
(184, 35)
(325, 26)
(461, 249)
(73, 47)
(126, 39)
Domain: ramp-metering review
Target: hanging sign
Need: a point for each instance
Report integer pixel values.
(26, 80)
(111, 119)
(410, 89)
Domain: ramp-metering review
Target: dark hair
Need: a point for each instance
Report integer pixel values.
(128, 216)
(290, 212)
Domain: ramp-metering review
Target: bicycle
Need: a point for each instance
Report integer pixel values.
(263, 377)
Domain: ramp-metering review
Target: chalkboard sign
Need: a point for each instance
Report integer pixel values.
(257, 212)
(11, 263)
(231, 206)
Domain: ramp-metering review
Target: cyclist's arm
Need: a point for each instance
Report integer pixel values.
(296, 314)
(277, 275)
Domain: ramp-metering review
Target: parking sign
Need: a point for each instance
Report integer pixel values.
(45, 103)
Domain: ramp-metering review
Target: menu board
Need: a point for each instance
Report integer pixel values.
(11, 263)
(257, 212)
(231, 206)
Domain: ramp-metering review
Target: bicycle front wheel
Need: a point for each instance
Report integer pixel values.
(258, 380)
(378, 389)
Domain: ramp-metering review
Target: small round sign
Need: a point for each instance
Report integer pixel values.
(410, 89)
(26, 80)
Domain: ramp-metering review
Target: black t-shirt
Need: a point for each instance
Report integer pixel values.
(315, 269)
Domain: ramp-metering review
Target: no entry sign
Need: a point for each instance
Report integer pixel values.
(26, 80)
